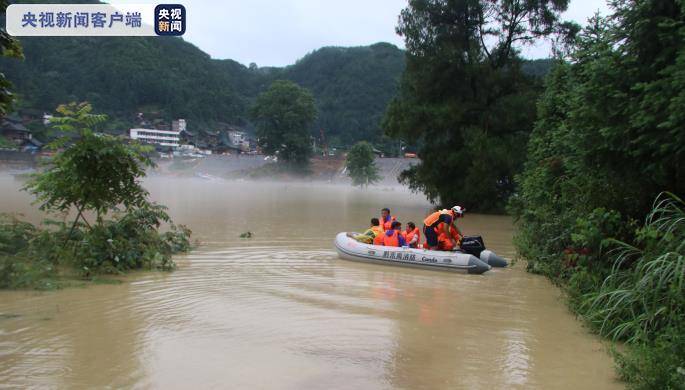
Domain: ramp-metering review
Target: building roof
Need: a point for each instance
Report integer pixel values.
(13, 117)
(34, 142)
(13, 126)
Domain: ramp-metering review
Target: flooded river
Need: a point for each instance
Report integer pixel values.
(281, 311)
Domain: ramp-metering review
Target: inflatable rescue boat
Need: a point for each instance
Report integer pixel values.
(350, 249)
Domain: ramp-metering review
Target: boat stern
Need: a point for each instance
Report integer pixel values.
(477, 266)
(489, 257)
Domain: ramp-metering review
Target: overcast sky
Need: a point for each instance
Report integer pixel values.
(279, 32)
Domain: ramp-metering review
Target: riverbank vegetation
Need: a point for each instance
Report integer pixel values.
(96, 176)
(599, 202)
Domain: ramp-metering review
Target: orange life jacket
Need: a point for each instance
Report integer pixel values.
(387, 225)
(433, 218)
(377, 230)
(392, 240)
(454, 232)
(409, 235)
(445, 245)
(379, 239)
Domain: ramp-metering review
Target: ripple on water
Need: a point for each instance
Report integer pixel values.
(288, 308)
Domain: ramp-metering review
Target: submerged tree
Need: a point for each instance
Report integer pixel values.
(284, 114)
(361, 166)
(463, 98)
(95, 172)
(100, 174)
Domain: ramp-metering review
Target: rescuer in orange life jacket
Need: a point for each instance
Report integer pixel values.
(391, 237)
(387, 219)
(447, 218)
(446, 243)
(412, 235)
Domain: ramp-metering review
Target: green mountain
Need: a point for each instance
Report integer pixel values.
(352, 87)
(124, 75)
(168, 78)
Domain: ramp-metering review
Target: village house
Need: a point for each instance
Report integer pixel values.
(13, 131)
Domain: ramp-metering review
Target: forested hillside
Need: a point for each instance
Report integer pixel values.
(122, 76)
(169, 78)
(352, 87)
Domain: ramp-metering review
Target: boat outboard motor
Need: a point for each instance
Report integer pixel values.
(474, 245)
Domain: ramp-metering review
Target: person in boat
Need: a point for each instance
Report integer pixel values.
(368, 236)
(412, 235)
(446, 243)
(444, 217)
(387, 219)
(391, 237)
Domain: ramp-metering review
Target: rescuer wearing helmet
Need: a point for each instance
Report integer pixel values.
(446, 217)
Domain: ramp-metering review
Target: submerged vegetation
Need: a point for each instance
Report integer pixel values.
(361, 166)
(284, 114)
(91, 173)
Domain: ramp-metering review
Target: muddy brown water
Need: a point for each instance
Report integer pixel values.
(281, 311)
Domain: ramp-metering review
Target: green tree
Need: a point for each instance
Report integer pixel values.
(283, 115)
(360, 164)
(609, 138)
(96, 173)
(9, 47)
(464, 99)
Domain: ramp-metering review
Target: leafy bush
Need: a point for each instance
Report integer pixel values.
(645, 291)
(659, 364)
(96, 173)
(14, 234)
(17, 268)
(641, 299)
(131, 241)
(30, 256)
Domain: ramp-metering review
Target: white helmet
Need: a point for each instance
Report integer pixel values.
(458, 210)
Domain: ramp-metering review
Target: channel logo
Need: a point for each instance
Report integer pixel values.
(96, 19)
(170, 19)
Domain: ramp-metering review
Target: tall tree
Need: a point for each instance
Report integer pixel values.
(360, 164)
(283, 115)
(463, 98)
(97, 173)
(9, 47)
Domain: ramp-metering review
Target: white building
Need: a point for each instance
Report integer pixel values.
(239, 139)
(159, 137)
(46, 118)
(178, 125)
